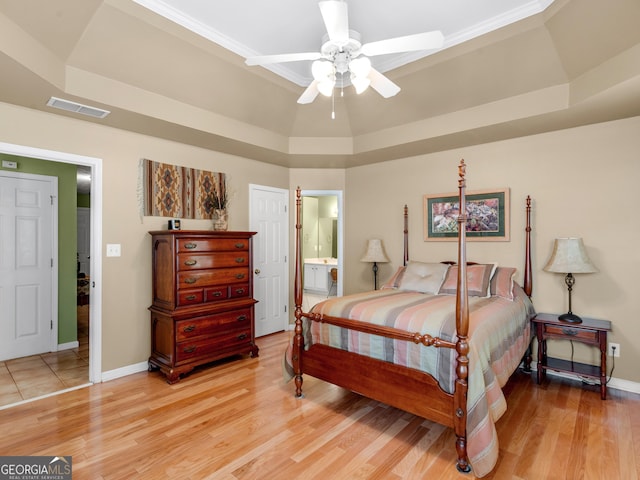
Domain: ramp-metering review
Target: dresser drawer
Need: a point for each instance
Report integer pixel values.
(213, 347)
(215, 294)
(212, 245)
(190, 297)
(213, 325)
(187, 261)
(567, 331)
(239, 291)
(221, 276)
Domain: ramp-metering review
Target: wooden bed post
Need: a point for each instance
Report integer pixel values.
(298, 339)
(462, 329)
(406, 236)
(528, 284)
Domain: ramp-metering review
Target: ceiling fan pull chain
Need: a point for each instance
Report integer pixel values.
(333, 106)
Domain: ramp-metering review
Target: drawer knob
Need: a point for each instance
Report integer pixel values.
(189, 328)
(239, 245)
(191, 297)
(190, 349)
(190, 245)
(190, 280)
(241, 318)
(240, 260)
(239, 291)
(240, 276)
(217, 294)
(190, 263)
(569, 331)
(242, 336)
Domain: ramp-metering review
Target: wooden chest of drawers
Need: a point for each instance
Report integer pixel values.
(202, 299)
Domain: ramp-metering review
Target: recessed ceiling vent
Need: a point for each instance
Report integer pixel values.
(75, 107)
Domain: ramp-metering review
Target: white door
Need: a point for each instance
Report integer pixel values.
(269, 217)
(27, 264)
(84, 240)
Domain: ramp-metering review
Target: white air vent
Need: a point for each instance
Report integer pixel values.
(70, 106)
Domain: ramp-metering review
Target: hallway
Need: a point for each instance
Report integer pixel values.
(37, 375)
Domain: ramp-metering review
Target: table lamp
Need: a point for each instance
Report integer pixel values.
(375, 254)
(569, 256)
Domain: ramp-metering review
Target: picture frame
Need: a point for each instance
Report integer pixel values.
(487, 216)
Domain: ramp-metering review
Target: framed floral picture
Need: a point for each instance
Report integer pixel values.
(487, 216)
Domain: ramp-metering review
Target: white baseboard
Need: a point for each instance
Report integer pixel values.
(124, 371)
(68, 346)
(615, 383)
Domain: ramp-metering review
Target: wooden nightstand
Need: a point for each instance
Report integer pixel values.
(590, 331)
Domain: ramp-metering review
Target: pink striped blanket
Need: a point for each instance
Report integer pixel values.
(499, 335)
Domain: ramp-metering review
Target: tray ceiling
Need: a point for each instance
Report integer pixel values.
(509, 68)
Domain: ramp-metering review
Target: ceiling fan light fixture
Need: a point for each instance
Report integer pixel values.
(340, 51)
(360, 83)
(326, 87)
(322, 70)
(360, 67)
(324, 73)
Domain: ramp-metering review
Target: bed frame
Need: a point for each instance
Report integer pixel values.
(391, 384)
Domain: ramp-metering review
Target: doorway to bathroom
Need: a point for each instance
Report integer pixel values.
(322, 245)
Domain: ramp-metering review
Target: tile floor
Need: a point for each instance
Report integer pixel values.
(37, 375)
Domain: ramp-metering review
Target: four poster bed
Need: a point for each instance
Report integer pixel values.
(449, 369)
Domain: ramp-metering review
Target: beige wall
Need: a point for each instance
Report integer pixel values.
(583, 182)
(126, 281)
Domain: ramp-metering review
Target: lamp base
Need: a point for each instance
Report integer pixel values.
(570, 318)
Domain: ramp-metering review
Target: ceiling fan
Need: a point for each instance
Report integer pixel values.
(342, 53)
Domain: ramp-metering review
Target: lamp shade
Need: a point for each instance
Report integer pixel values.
(569, 256)
(375, 252)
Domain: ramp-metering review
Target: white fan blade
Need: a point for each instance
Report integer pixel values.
(409, 43)
(382, 84)
(336, 20)
(310, 94)
(282, 58)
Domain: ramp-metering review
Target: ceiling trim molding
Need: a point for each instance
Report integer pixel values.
(507, 18)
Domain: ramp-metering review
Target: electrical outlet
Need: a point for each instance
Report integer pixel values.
(612, 352)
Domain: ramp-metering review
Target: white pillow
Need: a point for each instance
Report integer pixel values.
(423, 277)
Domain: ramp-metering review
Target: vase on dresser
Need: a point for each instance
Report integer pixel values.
(220, 219)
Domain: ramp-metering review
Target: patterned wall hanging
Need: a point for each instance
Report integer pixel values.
(179, 192)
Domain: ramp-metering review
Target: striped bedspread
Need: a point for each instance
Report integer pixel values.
(499, 334)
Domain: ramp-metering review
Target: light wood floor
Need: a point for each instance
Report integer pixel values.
(238, 420)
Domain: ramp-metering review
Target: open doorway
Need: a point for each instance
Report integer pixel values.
(94, 166)
(322, 245)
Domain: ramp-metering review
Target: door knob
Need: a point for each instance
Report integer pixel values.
(257, 271)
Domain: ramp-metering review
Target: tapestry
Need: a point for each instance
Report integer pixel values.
(179, 192)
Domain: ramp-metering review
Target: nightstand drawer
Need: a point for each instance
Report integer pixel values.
(566, 332)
